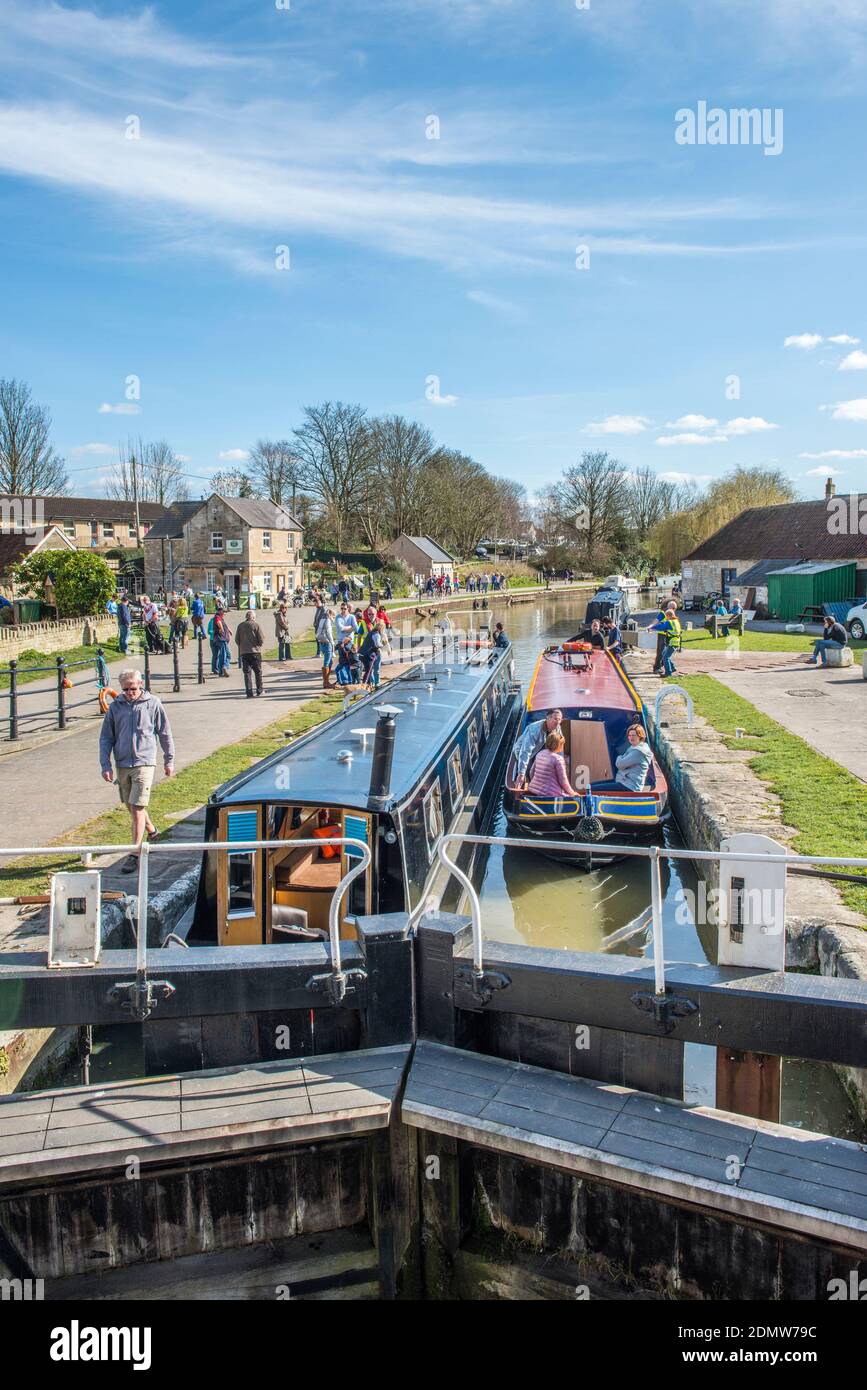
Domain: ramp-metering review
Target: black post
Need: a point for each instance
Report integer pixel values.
(387, 944)
(175, 667)
(61, 694)
(199, 661)
(13, 699)
(147, 667)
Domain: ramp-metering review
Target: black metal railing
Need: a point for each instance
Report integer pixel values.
(60, 709)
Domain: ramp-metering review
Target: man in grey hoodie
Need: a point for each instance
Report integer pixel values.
(133, 724)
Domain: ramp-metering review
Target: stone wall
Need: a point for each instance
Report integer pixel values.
(706, 575)
(52, 637)
(715, 794)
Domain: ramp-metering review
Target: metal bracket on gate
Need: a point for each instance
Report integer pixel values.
(484, 983)
(665, 1008)
(337, 984)
(140, 997)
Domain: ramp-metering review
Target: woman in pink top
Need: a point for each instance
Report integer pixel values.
(549, 770)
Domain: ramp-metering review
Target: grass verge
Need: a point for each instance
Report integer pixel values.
(34, 659)
(700, 640)
(190, 788)
(821, 801)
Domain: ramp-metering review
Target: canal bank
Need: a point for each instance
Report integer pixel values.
(715, 794)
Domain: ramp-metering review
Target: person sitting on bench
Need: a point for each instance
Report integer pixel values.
(549, 770)
(633, 765)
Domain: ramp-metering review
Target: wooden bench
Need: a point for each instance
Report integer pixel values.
(715, 621)
(195, 1114)
(804, 1183)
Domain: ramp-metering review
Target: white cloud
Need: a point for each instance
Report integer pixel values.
(234, 455)
(183, 458)
(844, 339)
(692, 422)
(122, 409)
(491, 301)
(854, 362)
(749, 424)
(835, 454)
(442, 400)
(805, 341)
(618, 424)
(691, 438)
(824, 473)
(853, 411)
(93, 449)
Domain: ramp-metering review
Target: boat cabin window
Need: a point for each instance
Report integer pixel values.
(473, 744)
(433, 817)
(241, 884)
(486, 719)
(456, 778)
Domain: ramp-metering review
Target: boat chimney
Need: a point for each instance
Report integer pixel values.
(830, 488)
(383, 756)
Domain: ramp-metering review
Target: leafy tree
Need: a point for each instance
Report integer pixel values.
(83, 582)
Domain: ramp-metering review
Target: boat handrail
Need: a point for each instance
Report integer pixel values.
(653, 853)
(338, 982)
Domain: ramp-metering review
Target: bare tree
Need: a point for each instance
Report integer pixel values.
(648, 500)
(233, 482)
(158, 471)
(275, 469)
(463, 502)
(591, 500)
(28, 462)
(334, 448)
(403, 452)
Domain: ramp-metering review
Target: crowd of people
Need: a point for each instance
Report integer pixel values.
(351, 642)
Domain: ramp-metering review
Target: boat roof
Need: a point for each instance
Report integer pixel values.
(307, 771)
(606, 686)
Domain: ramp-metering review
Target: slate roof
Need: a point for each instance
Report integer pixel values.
(758, 574)
(90, 508)
(799, 527)
(257, 512)
(171, 526)
(431, 549)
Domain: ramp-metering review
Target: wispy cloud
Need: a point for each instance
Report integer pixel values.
(504, 307)
(835, 454)
(805, 341)
(690, 437)
(233, 455)
(123, 408)
(93, 449)
(618, 424)
(692, 422)
(749, 424)
(853, 411)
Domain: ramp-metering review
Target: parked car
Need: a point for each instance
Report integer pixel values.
(856, 621)
(480, 552)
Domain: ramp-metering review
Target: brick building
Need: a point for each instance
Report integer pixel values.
(238, 544)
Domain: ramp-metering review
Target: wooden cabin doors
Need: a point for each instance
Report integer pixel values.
(239, 879)
(588, 748)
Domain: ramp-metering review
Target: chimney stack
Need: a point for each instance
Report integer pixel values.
(383, 755)
(830, 488)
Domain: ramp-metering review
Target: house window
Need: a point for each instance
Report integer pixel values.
(291, 540)
(266, 581)
(69, 528)
(433, 817)
(108, 530)
(94, 533)
(216, 540)
(210, 580)
(486, 719)
(266, 540)
(131, 530)
(456, 778)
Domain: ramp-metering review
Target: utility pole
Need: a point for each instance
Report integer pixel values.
(135, 500)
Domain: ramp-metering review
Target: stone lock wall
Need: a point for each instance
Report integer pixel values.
(52, 637)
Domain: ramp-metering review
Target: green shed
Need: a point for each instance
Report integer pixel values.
(793, 590)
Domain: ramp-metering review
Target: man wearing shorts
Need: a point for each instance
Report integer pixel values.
(133, 724)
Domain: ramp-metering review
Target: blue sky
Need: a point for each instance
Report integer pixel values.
(413, 258)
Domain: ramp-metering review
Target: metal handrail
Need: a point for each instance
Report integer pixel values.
(674, 690)
(145, 850)
(651, 852)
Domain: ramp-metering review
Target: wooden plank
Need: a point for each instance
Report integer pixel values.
(232, 1115)
(676, 1160)
(467, 1063)
(384, 1082)
(129, 1110)
(244, 1078)
(792, 1164)
(602, 1094)
(250, 1095)
(697, 1119)
(344, 1102)
(345, 1063)
(461, 1083)
(678, 1137)
(840, 1153)
(145, 1131)
(423, 1094)
(27, 1143)
(808, 1194)
(749, 1083)
(25, 1122)
(552, 1125)
(538, 1103)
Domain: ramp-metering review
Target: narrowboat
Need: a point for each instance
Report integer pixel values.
(607, 602)
(598, 704)
(395, 769)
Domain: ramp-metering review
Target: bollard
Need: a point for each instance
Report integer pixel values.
(13, 699)
(61, 694)
(175, 667)
(200, 663)
(147, 668)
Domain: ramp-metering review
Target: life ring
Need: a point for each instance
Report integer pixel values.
(577, 647)
(106, 695)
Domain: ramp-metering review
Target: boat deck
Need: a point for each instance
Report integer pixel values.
(605, 687)
(785, 1178)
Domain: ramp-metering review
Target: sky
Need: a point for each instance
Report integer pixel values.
(515, 221)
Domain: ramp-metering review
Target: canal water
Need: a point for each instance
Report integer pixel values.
(528, 898)
(539, 902)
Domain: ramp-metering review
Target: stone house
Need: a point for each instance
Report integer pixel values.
(15, 546)
(422, 557)
(90, 523)
(777, 537)
(241, 545)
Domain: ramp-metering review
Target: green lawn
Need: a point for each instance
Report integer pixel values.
(31, 658)
(189, 789)
(701, 641)
(826, 805)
